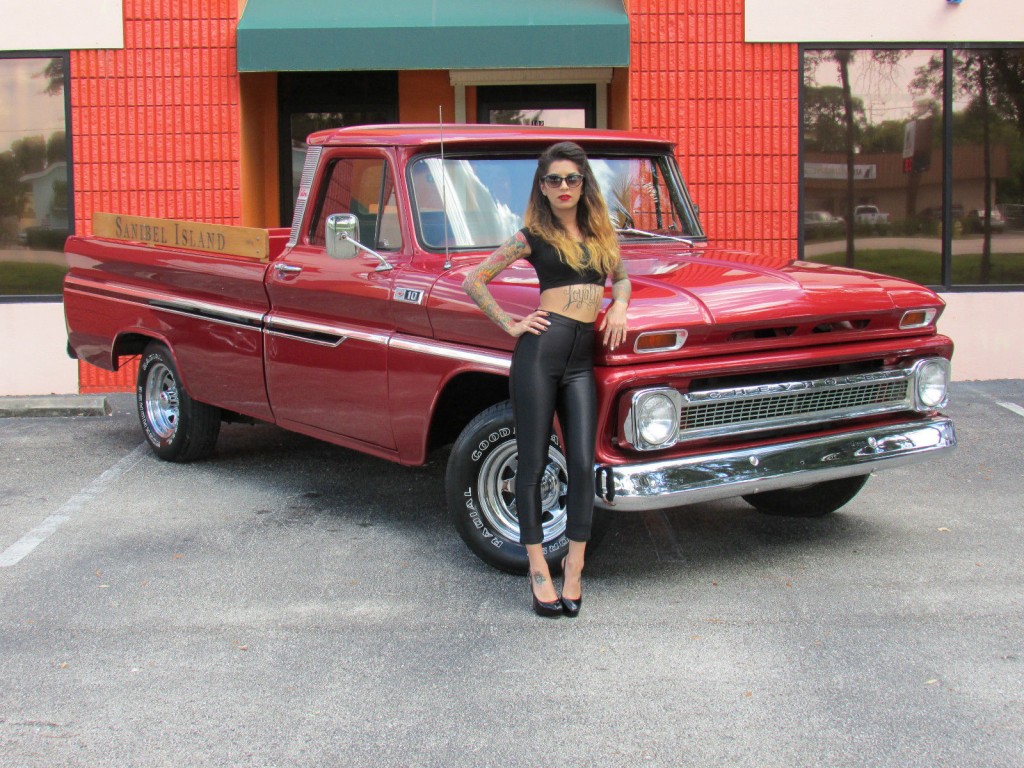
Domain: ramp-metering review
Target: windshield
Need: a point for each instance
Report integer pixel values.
(479, 202)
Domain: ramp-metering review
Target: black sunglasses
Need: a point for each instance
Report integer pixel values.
(554, 181)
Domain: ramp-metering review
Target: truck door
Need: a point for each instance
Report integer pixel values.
(330, 322)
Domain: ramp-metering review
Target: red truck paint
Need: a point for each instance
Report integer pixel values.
(397, 361)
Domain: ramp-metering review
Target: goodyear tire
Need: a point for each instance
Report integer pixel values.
(810, 501)
(480, 487)
(177, 427)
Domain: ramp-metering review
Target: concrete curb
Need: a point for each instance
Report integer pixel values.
(55, 405)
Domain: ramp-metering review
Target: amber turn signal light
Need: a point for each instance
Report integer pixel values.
(660, 341)
(917, 318)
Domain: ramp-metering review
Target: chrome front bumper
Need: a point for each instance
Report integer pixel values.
(675, 482)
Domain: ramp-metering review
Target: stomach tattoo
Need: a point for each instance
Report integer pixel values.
(583, 297)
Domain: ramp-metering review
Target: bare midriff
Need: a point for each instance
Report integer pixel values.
(580, 302)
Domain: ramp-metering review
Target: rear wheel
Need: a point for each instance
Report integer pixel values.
(177, 427)
(480, 487)
(809, 501)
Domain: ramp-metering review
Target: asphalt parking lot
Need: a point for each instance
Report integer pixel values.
(289, 603)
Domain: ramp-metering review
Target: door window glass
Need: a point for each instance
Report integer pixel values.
(364, 187)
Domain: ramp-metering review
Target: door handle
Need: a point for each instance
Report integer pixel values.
(287, 269)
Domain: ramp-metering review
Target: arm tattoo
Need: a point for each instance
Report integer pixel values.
(582, 297)
(476, 281)
(622, 289)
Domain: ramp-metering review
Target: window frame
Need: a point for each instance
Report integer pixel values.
(317, 218)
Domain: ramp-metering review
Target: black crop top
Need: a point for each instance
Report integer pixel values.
(552, 272)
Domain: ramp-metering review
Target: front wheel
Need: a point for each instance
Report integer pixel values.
(809, 501)
(480, 488)
(177, 427)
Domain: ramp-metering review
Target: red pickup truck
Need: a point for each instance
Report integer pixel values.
(784, 382)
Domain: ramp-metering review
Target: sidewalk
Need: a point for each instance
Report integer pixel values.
(55, 405)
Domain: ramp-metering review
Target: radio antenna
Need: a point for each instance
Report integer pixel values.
(444, 191)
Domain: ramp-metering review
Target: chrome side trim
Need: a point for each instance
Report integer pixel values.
(454, 352)
(208, 311)
(205, 310)
(319, 333)
(308, 337)
(676, 482)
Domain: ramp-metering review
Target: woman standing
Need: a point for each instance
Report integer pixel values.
(570, 241)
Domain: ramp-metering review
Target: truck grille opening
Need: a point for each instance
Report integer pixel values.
(784, 331)
(763, 407)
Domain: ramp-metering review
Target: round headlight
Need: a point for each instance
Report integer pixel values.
(932, 383)
(657, 418)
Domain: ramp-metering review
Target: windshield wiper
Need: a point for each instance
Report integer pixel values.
(631, 231)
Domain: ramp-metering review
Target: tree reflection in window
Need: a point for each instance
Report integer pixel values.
(34, 195)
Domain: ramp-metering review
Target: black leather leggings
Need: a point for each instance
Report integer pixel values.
(554, 371)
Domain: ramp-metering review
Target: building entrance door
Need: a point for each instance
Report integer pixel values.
(314, 101)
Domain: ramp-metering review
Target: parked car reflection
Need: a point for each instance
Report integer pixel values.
(975, 220)
(822, 224)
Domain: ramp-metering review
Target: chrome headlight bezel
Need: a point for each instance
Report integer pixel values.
(918, 318)
(644, 430)
(931, 383)
(678, 338)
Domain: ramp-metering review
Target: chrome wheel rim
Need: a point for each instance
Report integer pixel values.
(496, 485)
(161, 401)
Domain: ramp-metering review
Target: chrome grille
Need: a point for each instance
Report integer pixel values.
(772, 406)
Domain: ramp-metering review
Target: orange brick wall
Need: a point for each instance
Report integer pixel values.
(732, 109)
(156, 126)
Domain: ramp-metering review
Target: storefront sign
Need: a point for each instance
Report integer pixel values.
(57, 25)
(250, 242)
(880, 21)
(837, 171)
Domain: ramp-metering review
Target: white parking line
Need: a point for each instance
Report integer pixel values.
(1013, 407)
(23, 546)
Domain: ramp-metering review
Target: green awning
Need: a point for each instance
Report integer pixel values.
(335, 35)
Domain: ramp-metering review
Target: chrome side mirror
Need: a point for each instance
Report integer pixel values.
(342, 234)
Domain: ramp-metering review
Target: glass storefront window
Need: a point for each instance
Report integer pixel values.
(988, 167)
(892, 187)
(552, 118)
(35, 210)
(561, 105)
(872, 169)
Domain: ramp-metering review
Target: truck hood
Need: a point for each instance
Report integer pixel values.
(715, 286)
(720, 297)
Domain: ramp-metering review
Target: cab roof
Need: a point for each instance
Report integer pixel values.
(463, 134)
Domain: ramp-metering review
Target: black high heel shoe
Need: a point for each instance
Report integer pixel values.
(550, 610)
(570, 607)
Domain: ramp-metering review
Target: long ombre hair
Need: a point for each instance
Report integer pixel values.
(592, 218)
